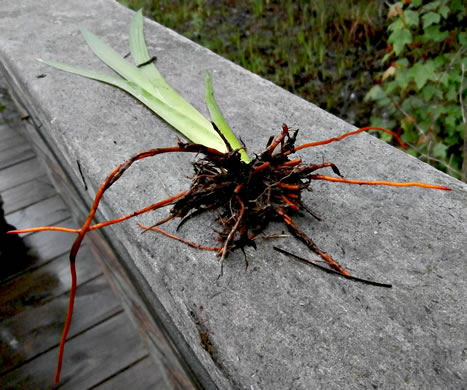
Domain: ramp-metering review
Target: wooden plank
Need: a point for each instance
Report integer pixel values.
(48, 245)
(20, 173)
(38, 329)
(6, 130)
(11, 142)
(90, 358)
(158, 344)
(16, 154)
(26, 194)
(43, 284)
(44, 213)
(34, 293)
(141, 375)
(40, 248)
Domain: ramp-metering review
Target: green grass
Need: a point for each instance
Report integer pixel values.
(324, 54)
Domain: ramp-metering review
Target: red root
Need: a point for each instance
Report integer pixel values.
(248, 196)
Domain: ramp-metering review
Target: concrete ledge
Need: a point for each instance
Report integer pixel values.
(280, 324)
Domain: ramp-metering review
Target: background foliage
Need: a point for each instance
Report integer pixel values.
(334, 55)
(421, 91)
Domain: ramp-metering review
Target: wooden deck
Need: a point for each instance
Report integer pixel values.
(104, 350)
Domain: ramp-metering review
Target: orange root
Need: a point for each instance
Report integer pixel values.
(44, 228)
(174, 237)
(291, 204)
(341, 137)
(378, 182)
(222, 251)
(102, 224)
(69, 316)
(154, 206)
(277, 140)
(260, 168)
(309, 242)
(86, 227)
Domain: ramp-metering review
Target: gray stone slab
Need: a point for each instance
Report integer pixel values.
(280, 324)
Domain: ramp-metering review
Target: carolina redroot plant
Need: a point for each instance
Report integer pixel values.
(246, 194)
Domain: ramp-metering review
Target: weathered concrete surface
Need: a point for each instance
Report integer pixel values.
(280, 324)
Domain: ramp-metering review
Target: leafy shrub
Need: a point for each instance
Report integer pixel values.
(422, 92)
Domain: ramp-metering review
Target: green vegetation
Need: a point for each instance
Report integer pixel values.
(332, 56)
(421, 91)
(311, 49)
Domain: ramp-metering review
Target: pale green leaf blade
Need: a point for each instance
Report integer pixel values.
(184, 124)
(140, 53)
(165, 92)
(138, 47)
(115, 61)
(219, 120)
(90, 74)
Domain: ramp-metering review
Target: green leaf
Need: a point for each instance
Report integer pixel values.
(429, 91)
(432, 33)
(413, 104)
(398, 24)
(411, 18)
(132, 73)
(402, 78)
(462, 37)
(385, 137)
(399, 39)
(375, 93)
(407, 124)
(140, 54)
(437, 112)
(384, 123)
(219, 120)
(450, 121)
(387, 56)
(403, 62)
(145, 83)
(430, 18)
(444, 80)
(440, 150)
(425, 124)
(431, 5)
(440, 61)
(444, 11)
(451, 94)
(454, 109)
(421, 73)
(159, 86)
(455, 75)
(410, 136)
(391, 87)
(177, 119)
(457, 5)
(114, 60)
